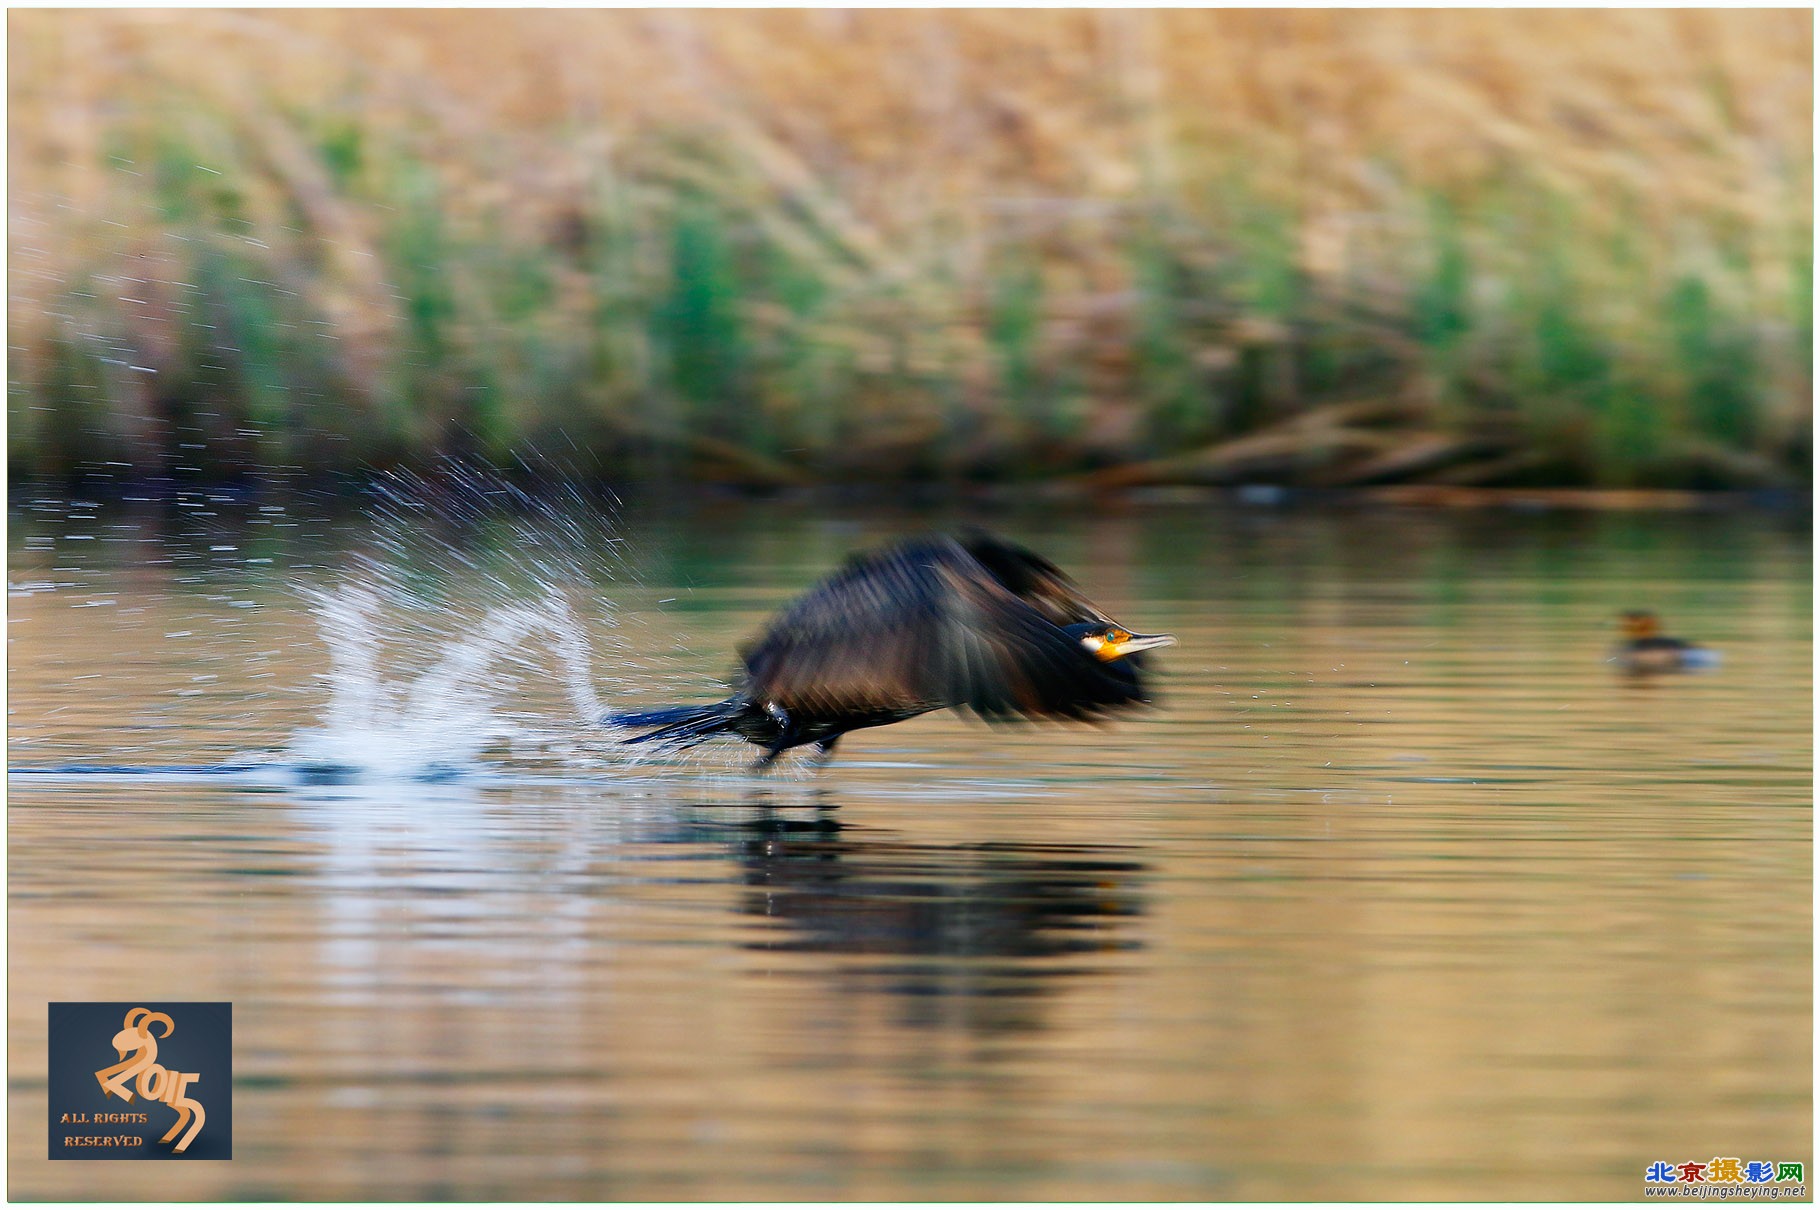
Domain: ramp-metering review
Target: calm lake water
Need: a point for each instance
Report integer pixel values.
(1401, 893)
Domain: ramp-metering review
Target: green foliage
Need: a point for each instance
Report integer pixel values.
(1441, 309)
(1178, 402)
(697, 324)
(57, 439)
(349, 302)
(1014, 329)
(1716, 363)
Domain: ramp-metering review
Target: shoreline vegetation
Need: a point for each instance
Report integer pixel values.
(1452, 255)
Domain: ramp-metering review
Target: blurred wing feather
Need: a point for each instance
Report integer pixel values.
(928, 624)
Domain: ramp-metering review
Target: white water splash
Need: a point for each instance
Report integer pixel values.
(407, 702)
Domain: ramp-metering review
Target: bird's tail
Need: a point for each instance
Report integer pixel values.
(679, 726)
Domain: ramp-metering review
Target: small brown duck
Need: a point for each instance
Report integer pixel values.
(1646, 651)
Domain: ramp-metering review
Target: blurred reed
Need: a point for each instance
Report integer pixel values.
(1339, 247)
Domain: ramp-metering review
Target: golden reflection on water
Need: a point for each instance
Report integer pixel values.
(1400, 894)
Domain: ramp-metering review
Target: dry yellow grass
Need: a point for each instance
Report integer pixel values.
(1695, 109)
(898, 156)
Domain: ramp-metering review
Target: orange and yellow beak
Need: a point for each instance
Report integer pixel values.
(1121, 643)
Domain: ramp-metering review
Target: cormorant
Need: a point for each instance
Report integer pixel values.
(1646, 650)
(968, 620)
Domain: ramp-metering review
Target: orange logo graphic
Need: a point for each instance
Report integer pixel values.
(154, 1081)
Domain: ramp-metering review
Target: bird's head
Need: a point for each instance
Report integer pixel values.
(1638, 624)
(1109, 641)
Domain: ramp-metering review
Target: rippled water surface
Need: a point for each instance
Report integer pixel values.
(1401, 893)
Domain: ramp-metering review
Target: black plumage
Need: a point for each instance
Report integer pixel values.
(967, 621)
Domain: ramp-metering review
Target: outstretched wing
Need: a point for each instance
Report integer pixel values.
(1031, 578)
(928, 624)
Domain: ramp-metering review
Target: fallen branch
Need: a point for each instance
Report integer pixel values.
(1321, 434)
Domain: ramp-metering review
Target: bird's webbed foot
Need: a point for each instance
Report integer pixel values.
(786, 737)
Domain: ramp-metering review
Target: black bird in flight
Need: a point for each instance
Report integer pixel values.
(966, 621)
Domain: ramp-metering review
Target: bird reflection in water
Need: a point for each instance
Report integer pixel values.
(968, 934)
